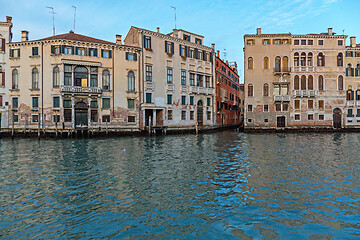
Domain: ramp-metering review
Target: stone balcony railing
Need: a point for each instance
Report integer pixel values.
(170, 87)
(281, 98)
(304, 93)
(283, 70)
(350, 103)
(149, 86)
(202, 90)
(78, 89)
(184, 88)
(304, 69)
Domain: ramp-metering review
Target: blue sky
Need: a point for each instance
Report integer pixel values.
(223, 22)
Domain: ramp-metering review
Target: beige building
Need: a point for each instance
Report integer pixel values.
(74, 81)
(352, 83)
(294, 81)
(5, 37)
(177, 76)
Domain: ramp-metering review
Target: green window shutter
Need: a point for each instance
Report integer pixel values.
(102, 52)
(352, 95)
(191, 100)
(135, 56)
(72, 50)
(12, 53)
(148, 97)
(204, 55)
(172, 48)
(211, 57)
(76, 51)
(186, 51)
(95, 52)
(62, 49)
(127, 56)
(110, 53)
(180, 50)
(88, 51)
(166, 43)
(52, 49)
(145, 46)
(150, 41)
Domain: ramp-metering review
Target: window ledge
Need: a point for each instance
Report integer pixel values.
(34, 89)
(131, 91)
(148, 49)
(170, 54)
(13, 58)
(34, 56)
(35, 109)
(14, 90)
(55, 54)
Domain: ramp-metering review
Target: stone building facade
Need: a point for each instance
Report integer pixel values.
(294, 81)
(178, 71)
(73, 81)
(5, 37)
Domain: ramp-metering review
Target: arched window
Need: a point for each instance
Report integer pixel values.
(56, 77)
(321, 83)
(350, 93)
(81, 76)
(310, 83)
(266, 63)
(310, 59)
(358, 93)
(303, 82)
(266, 90)
(296, 83)
(349, 70)
(340, 83)
(278, 64)
(250, 63)
(15, 79)
(106, 80)
(321, 60)
(250, 90)
(357, 70)
(35, 79)
(303, 59)
(131, 81)
(340, 61)
(285, 63)
(296, 59)
(2, 77)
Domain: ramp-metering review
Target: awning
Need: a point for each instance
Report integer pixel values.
(74, 62)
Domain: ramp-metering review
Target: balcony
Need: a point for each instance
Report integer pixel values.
(149, 86)
(284, 70)
(304, 69)
(78, 89)
(280, 98)
(358, 103)
(304, 93)
(184, 88)
(202, 90)
(170, 87)
(350, 103)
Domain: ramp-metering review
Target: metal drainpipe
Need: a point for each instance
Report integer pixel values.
(42, 84)
(113, 80)
(142, 67)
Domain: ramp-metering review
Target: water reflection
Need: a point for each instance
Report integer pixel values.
(224, 185)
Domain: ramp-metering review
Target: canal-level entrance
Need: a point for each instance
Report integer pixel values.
(337, 118)
(81, 115)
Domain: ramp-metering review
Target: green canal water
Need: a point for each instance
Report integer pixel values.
(225, 185)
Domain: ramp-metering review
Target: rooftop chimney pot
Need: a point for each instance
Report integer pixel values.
(8, 19)
(218, 53)
(330, 31)
(352, 41)
(118, 39)
(24, 36)
(258, 31)
(213, 46)
(158, 29)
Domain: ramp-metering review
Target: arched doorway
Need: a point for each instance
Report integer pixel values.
(200, 113)
(337, 118)
(81, 115)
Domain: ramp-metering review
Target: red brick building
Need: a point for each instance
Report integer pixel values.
(229, 94)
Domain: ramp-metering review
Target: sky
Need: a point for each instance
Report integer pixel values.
(223, 22)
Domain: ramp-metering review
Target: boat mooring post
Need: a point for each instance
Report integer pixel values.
(12, 129)
(39, 126)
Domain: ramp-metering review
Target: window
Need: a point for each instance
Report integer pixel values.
(131, 119)
(250, 90)
(67, 75)
(310, 83)
(56, 102)
(266, 63)
(350, 93)
(266, 107)
(169, 115)
(131, 81)
(321, 104)
(303, 82)
(15, 102)
(321, 60)
(303, 41)
(350, 113)
(296, 42)
(278, 107)
(358, 112)
(183, 77)
(182, 51)
(148, 97)
(266, 41)
(250, 42)
(147, 42)
(296, 83)
(250, 63)
(207, 81)
(35, 51)
(131, 103)
(208, 115)
(35, 118)
(192, 79)
(321, 83)
(249, 120)
(310, 117)
(92, 52)
(81, 76)
(2, 44)
(340, 83)
(67, 115)
(93, 104)
(15, 53)
(68, 50)
(310, 42)
(67, 103)
(321, 117)
(199, 80)
(285, 107)
(191, 100)
(15, 79)
(80, 51)
(303, 59)
(105, 118)
(266, 90)
(297, 117)
(35, 102)
(35, 79)
(183, 100)
(169, 47)
(93, 77)
(16, 118)
(198, 41)
(106, 80)
(296, 59)
(186, 37)
(208, 102)
(56, 118)
(191, 115)
(250, 108)
(93, 115)
(106, 103)
(183, 115)
(56, 77)
(349, 70)
(131, 56)
(297, 104)
(310, 104)
(310, 59)
(169, 75)
(148, 73)
(105, 53)
(340, 42)
(278, 64)
(340, 60)
(169, 99)
(2, 78)
(320, 42)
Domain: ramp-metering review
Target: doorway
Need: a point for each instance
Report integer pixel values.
(200, 113)
(81, 115)
(280, 122)
(337, 118)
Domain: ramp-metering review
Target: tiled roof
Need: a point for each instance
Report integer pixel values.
(76, 37)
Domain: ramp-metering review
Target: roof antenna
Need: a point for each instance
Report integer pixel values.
(224, 54)
(175, 14)
(74, 16)
(343, 32)
(53, 13)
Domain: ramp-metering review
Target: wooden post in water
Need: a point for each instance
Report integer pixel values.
(106, 127)
(196, 124)
(39, 126)
(12, 129)
(25, 124)
(149, 127)
(56, 128)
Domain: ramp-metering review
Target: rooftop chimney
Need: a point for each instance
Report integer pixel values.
(258, 31)
(330, 31)
(218, 54)
(118, 39)
(158, 29)
(227, 62)
(352, 41)
(8, 19)
(213, 46)
(24, 36)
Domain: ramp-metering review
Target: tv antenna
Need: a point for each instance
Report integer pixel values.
(224, 54)
(175, 14)
(53, 14)
(74, 16)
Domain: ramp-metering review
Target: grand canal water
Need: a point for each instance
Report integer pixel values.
(217, 186)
